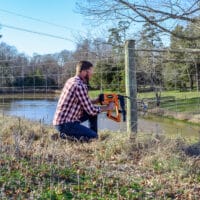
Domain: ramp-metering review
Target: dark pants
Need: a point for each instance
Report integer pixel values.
(77, 131)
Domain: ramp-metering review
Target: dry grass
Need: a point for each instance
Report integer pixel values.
(35, 165)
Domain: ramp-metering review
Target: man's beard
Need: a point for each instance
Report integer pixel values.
(87, 80)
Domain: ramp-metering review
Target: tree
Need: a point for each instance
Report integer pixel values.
(117, 35)
(194, 66)
(109, 75)
(187, 65)
(8, 54)
(148, 63)
(179, 67)
(50, 67)
(167, 14)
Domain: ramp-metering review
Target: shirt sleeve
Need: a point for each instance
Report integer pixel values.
(85, 101)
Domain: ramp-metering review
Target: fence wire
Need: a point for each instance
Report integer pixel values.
(168, 86)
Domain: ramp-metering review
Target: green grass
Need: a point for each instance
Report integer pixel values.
(177, 94)
(34, 166)
(182, 102)
(183, 105)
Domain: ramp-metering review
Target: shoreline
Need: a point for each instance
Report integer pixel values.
(184, 117)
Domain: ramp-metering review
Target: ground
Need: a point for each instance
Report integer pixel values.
(35, 165)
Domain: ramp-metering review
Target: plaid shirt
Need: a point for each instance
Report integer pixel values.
(73, 101)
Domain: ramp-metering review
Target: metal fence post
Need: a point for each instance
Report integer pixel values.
(131, 87)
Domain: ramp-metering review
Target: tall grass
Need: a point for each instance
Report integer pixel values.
(36, 164)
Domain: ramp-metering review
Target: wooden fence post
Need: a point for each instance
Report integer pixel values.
(131, 87)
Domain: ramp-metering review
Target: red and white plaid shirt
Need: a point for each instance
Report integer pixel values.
(73, 101)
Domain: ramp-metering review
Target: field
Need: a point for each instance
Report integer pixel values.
(36, 164)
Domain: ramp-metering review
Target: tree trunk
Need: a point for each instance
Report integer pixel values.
(191, 80)
(198, 76)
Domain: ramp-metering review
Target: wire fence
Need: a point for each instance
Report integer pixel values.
(168, 83)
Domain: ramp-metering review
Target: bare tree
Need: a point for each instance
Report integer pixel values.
(167, 13)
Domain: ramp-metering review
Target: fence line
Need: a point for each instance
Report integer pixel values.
(164, 84)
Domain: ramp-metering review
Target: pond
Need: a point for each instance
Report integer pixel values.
(43, 110)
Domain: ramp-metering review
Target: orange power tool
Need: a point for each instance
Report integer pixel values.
(118, 101)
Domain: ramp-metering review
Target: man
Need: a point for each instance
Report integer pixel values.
(75, 106)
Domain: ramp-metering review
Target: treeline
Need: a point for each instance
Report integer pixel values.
(49, 72)
(156, 70)
(18, 70)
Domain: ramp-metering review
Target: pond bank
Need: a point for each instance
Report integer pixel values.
(185, 117)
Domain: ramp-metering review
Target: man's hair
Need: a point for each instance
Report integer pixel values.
(83, 65)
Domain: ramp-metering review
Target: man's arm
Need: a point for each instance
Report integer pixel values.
(110, 106)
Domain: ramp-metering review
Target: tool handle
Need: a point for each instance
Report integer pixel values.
(106, 99)
(116, 117)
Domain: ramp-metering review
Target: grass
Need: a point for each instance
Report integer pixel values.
(189, 105)
(186, 103)
(177, 94)
(35, 165)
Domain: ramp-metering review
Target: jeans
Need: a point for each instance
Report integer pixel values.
(75, 130)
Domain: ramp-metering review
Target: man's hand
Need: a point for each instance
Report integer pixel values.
(110, 106)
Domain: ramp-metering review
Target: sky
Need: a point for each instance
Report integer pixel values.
(57, 18)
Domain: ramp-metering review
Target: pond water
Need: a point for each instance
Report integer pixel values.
(43, 110)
